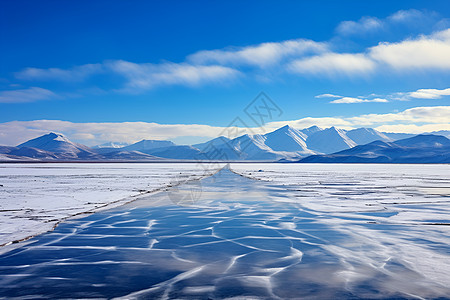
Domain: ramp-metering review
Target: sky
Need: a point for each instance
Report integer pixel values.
(123, 71)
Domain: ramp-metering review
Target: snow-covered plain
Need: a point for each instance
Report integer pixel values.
(349, 188)
(300, 231)
(35, 197)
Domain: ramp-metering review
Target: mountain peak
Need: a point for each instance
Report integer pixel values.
(58, 143)
(286, 138)
(329, 140)
(285, 127)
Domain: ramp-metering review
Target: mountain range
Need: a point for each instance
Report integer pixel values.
(420, 148)
(285, 144)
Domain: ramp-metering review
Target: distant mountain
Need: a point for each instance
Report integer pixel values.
(245, 147)
(329, 140)
(148, 145)
(445, 133)
(62, 147)
(129, 155)
(113, 145)
(418, 149)
(56, 147)
(425, 141)
(214, 143)
(394, 136)
(363, 136)
(288, 144)
(7, 149)
(175, 152)
(310, 130)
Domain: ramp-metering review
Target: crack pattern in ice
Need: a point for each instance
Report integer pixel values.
(242, 238)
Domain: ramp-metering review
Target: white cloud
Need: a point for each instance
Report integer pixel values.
(259, 55)
(431, 52)
(364, 25)
(425, 52)
(405, 16)
(332, 64)
(31, 94)
(412, 128)
(137, 76)
(77, 73)
(411, 19)
(327, 96)
(402, 96)
(146, 76)
(357, 100)
(430, 93)
(416, 115)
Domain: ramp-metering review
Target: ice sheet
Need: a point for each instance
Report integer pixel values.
(35, 197)
(250, 239)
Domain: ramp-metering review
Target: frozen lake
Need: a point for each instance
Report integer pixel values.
(299, 231)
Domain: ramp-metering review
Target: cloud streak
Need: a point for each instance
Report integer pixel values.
(425, 52)
(147, 76)
(357, 100)
(413, 120)
(411, 19)
(402, 96)
(262, 55)
(77, 73)
(331, 64)
(31, 94)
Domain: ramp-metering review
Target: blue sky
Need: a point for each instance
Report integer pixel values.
(126, 70)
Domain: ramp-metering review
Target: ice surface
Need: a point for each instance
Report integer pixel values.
(302, 231)
(35, 197)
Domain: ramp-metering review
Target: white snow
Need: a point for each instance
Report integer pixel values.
(35, 197)
(341, 188)
(329, 140)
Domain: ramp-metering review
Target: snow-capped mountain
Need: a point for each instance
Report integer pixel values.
(329, 140)
(285, 143)
(286, 138)
(55, 146)
(214, 143)
(311, 130)
(253, 147)
(418, 149)
(60, 145)
(363, 136)
(148, 145)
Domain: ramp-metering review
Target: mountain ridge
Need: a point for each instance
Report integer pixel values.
(285, 143)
